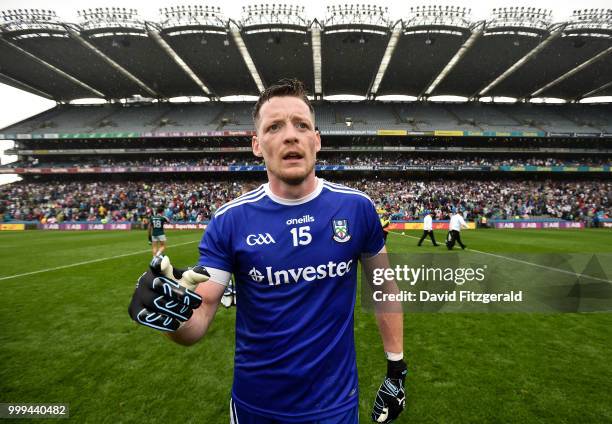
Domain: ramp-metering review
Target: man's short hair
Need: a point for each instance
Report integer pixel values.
(284, 87)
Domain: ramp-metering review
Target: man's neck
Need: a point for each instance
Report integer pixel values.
(293, 192)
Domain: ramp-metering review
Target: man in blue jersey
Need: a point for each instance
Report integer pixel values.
(293, 245)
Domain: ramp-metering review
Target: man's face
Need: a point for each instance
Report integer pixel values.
(286, 139)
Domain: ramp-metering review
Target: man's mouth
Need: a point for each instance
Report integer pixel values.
(292, 156)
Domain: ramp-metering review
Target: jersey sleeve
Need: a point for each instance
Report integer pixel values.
(374, 239)
(215, 247)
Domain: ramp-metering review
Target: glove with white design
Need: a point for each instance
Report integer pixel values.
(164, 297)
(391, 397)
(229, 296)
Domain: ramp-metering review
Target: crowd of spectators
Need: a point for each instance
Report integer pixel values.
(195, 201)
(494, 199)
(132, 143)
(92, 162)
(376, 142)
(413, 159)
(409, 159)
(114, 201)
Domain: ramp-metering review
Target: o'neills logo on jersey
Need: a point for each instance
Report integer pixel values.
(309, 273)
(303, 220)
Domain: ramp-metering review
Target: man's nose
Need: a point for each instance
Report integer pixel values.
(290, 134)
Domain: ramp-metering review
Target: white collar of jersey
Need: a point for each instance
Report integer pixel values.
(293, 202)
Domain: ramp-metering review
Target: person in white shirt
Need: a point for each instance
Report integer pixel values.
(428, 229)
(454, 230)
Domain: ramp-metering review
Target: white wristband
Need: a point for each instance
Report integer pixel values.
(391, 356)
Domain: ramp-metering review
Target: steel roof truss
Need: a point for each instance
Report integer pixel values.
(455, 59)
(74, 34)
(177, 59)
(384, 63)
(572, 71)
(27, 86)
(597, 90)
(537, 49)
(246, 56)
(55, 69)
(316, 57)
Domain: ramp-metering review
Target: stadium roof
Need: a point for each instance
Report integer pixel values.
(355, 49)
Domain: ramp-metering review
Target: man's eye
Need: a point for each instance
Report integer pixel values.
(273, 127)
(302, 125)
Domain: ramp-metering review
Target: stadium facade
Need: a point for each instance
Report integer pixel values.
(137, 66)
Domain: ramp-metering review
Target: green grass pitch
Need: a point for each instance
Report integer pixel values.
(65, 337)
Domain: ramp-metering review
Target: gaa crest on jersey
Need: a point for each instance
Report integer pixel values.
(341, 234)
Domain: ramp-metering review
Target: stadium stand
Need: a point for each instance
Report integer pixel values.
(190, 117)
(66, 119)
(587, 118)
(487, 117)
(140, 149)
(542, 118)
(430, 117)
(235, 117)
(418, 116)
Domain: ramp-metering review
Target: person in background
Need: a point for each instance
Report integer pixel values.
(454, 230)
(156, 231)
(428, 229)
(385, 222)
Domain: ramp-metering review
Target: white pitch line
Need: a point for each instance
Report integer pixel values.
(89, 262)
(550, 268)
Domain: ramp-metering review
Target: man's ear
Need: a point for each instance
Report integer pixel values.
(256, 147)
(317, 141)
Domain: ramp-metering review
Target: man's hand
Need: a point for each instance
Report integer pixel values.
(229, 296)
(391, 398)
(164, 296)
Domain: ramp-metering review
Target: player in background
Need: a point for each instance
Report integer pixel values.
(293, 246)
(428, 229)
(145, 226)
(156, 232)
(454, 230)
(385, 222)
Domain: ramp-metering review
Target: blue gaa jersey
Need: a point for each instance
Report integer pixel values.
(295, 266)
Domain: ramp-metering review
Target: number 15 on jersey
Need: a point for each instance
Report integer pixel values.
(301, 236)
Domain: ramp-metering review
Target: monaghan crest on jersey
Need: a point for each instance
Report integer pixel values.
(341, 234)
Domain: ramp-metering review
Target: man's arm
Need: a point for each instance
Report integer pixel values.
(195, 328)
(391, 396)
(389, 316)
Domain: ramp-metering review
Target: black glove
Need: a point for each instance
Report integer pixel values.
(391, 397)
(161, 299)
